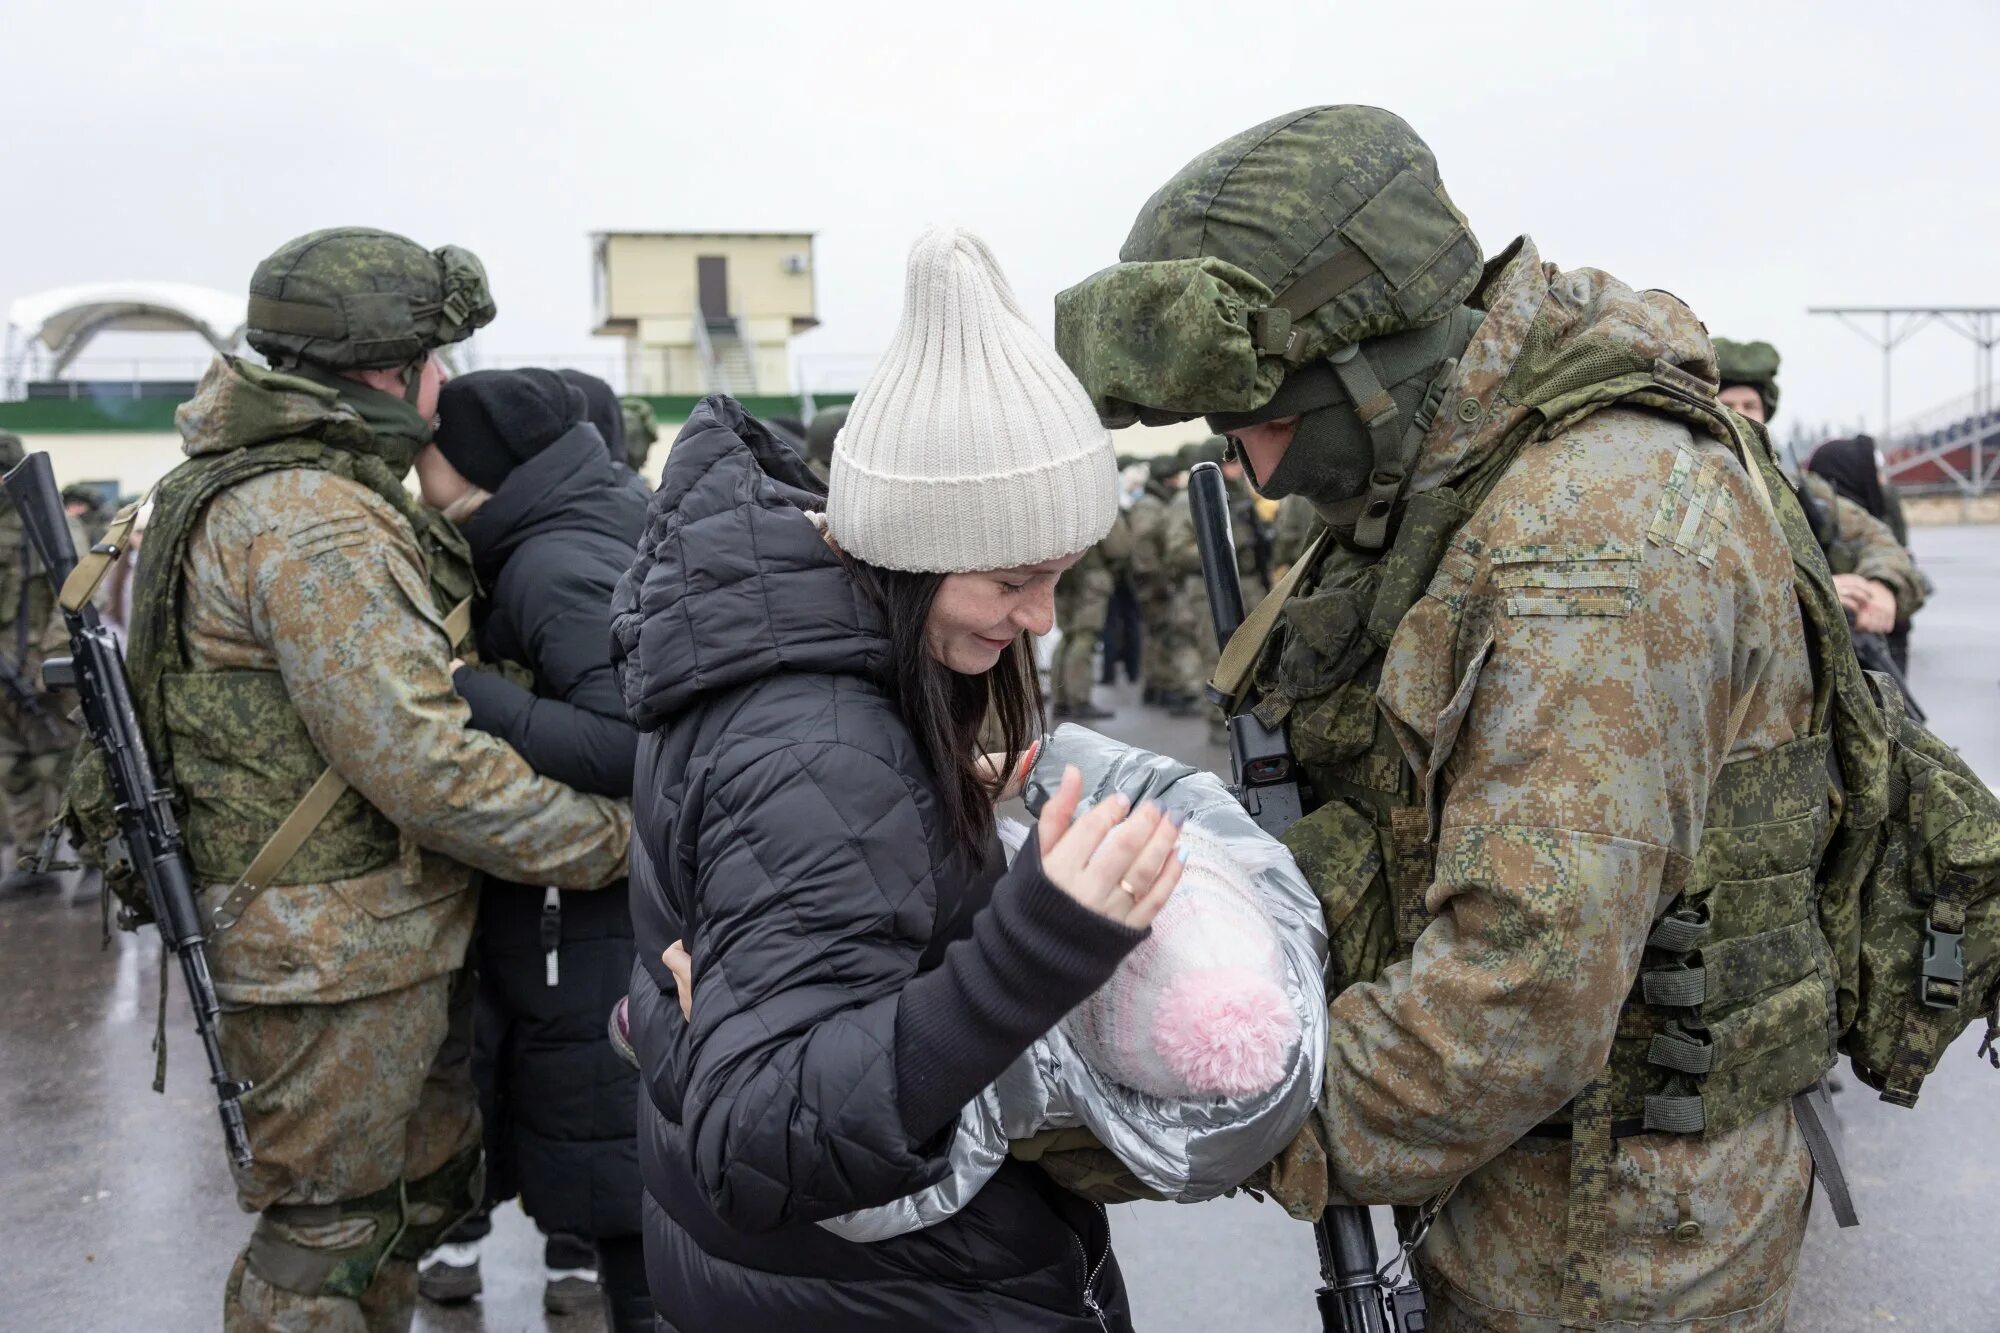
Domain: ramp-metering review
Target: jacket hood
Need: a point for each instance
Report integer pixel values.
(239, 404)
(572, 484)
(733, 581)
(1554, 347)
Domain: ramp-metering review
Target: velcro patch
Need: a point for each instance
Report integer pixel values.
(1694, 510)
(1583, 579)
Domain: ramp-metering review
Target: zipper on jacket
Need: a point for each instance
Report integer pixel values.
(1092, 1273)
(551, 933)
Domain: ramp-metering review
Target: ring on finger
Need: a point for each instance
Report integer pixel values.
(1126, 885)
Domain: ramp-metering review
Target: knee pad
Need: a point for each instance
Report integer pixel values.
(434, 1204)
(328, 1249)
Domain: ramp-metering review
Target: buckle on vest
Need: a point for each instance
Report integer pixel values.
(1943, 970)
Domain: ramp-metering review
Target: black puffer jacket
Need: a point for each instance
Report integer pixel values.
(550, 545)
(788, 829)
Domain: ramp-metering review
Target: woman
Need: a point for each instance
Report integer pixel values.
(817, 826)
(552, 520)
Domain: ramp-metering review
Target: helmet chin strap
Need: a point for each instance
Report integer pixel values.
(413, 379)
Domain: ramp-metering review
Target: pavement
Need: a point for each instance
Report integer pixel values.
(117, 1212)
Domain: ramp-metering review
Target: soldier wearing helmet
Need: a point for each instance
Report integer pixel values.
(294, 626)
(1547, 654)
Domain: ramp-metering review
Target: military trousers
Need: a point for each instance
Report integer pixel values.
(34, 767)
(1701, 1233)
(352, 1101)
(1082, 603)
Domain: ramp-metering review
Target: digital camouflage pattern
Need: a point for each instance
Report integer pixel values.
(311, 634)
(641, 431)
(1343, 201)
(1751, 363)
(1167, 644)
(350, 298)
(1561, 682)
(1083, 600)
(1857, 542)
(349, 1100)
(34, 752)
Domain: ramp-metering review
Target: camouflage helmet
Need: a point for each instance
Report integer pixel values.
(1211, 450)
(12, 450)
(1753, 364)
(354, 298)
(820, 435)
(640, 424)
(1162, 466)
(1284, 244)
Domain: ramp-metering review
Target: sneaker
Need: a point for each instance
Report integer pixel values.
(620, 1030)
(570, 1291)
(450, 1275)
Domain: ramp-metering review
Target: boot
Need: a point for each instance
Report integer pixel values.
(29, 883)
(450, 1273)
(1183, 705)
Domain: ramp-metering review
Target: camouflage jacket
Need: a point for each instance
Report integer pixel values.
(1859, 543)
(1147, 520)
(1612, 627)
(311, 577)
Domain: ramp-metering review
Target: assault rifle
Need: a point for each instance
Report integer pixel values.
(1355, 1295)
(151, 835)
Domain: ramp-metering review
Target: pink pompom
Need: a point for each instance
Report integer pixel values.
(1225, 1031)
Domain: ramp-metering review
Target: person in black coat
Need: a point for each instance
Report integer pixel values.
(552, 521)
(833, 958)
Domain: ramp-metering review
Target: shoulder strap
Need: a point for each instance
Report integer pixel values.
(1246, 645)
(94, 564)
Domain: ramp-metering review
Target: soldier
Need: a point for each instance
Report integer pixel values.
(1083, 600)
(36, 735)
(641, 431)
(1547, 681)
(87, 512)
(820, 435)
(1877, 580)
(293, 632)
(1161, 546)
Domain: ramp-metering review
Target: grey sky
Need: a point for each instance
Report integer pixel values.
(1753, 158)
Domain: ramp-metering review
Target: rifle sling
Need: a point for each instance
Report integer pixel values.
(94, 564)
(278, 851)
(1240, 654)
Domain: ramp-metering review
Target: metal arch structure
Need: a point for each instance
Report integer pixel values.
(1979, 442)
(52, 328)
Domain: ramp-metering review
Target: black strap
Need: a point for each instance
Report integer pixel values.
(1817, 1125)
(1275, 328)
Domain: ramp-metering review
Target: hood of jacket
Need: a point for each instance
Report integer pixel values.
(240, 404)
(733, 581)
(571, 485)
(1554, 347)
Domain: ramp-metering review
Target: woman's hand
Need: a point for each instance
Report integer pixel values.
(1118, 862)
(677, 961)
(1869, 600)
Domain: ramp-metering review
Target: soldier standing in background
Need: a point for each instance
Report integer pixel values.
(1158, 584)
(641, 431)
(820, 435)
(1124, 637)
(1083, 600)
(294, 629)
(1550, 684)
(36, 735)
(1877, 580)
(87, 513)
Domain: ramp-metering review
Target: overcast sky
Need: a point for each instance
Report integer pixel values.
(1752, 157)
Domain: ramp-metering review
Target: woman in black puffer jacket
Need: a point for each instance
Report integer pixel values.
(552, 522)
(812, 817)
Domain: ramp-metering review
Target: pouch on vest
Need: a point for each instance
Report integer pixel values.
(1930, 913)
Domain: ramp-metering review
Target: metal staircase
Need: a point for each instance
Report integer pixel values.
(727, 357)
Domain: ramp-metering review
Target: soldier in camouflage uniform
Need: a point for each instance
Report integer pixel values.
(86, 512)
(641, 431)
(1550, 684)
(820, 435)
(1083, 600)
(294, 622)
(36, 735)
(1298, 524)
(1878, 581)
(1157, 585)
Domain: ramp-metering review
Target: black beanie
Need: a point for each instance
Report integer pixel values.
(492, 421)
(601, 409)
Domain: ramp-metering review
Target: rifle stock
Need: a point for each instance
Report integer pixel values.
(1352, 1297)
(147, 827)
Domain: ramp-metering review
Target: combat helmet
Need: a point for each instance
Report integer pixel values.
(355, 298)
(1261, 266)
(1753, 365)
(820, 435)
(12, 449)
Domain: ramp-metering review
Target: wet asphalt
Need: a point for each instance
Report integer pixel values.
(116, 1210)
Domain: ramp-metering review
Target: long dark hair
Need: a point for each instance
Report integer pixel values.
(955, 717)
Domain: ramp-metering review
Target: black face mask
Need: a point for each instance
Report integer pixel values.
(1333, 459)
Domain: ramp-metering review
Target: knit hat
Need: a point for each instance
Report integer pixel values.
(972, 446)
(600, 409)
(492, 421)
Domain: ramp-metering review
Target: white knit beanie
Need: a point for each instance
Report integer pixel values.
(972, 446)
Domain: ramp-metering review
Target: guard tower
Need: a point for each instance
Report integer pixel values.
(704, 312)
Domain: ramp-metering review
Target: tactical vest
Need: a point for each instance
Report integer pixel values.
(235, 751)
(1749, 976)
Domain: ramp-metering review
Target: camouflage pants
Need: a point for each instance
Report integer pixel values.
(1701, 1233)
(351, 1099)
(1173, 654)
(1082, 602)
(34, 766)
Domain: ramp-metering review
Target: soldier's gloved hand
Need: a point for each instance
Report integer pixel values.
(1872, 604)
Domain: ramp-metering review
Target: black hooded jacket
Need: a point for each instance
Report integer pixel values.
(788, 829)
(550, 545)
